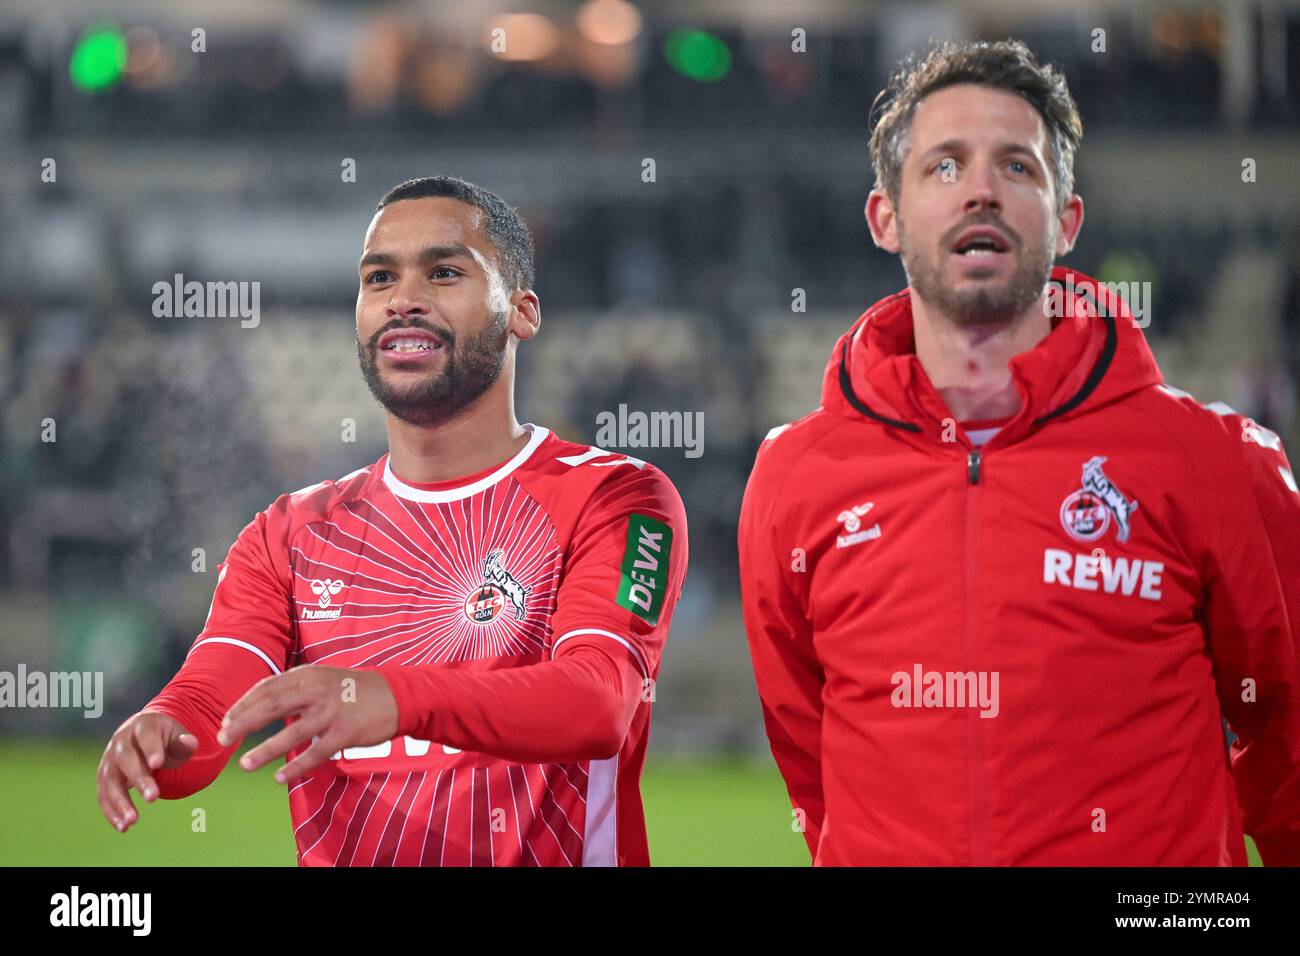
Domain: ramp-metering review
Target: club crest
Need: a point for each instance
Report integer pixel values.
(485, 603)
(1087, 513)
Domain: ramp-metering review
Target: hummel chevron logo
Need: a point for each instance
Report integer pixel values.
(324, 590)
(851, 518)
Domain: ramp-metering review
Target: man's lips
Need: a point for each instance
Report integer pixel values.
(984, 237)
(409, 343)
(979, 259)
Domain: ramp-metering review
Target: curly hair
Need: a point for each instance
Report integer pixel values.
(1003, 65)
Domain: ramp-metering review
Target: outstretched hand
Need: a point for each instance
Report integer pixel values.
(147, 741)
(335, 708)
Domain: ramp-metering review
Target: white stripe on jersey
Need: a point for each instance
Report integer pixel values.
(246, 646)
(451, 789)
(379, 840)
(428, 824)
(600, 842)
(510, 785)
(640, 662)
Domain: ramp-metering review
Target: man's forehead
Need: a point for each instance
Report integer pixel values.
(411, 224)
(976, 114)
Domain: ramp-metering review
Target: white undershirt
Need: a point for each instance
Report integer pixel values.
(978, 436)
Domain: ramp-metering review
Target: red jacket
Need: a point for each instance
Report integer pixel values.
(1023, 653)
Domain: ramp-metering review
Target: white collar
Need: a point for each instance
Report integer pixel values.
(403, 490)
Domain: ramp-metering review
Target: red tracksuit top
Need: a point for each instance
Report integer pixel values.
(1022, 654)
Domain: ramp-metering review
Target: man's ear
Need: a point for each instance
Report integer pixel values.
(525, 314)
(1069, 221)
(882, 219)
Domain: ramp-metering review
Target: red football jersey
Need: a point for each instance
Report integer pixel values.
(560, 545)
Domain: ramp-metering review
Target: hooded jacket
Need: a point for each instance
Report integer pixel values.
(1023, 653)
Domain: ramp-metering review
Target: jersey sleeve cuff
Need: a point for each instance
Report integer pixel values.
(266, 658)
(576, 632)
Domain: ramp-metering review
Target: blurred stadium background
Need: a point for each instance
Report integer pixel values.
(675, 294)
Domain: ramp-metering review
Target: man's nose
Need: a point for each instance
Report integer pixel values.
(982, 190)
(402, 306)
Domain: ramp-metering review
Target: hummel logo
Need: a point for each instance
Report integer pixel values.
(324, 589)
(851, 518)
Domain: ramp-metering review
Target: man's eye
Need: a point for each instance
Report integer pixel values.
(379, 275)
(1023, 168)
(445, 272)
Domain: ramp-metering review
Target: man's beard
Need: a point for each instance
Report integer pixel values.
(472, 364)
(987, 303)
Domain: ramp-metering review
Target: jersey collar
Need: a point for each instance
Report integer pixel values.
(411, 493)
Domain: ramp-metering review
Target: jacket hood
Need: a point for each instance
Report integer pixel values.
(1094, 355)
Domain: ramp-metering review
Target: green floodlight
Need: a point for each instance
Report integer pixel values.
(98, 58)
(698, 55)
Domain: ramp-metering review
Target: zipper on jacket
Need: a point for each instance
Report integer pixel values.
(975, 658)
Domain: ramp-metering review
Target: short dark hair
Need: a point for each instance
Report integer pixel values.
(1004, 65)
(505, 229)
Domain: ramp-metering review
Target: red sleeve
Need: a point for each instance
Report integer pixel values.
(576, 708)
(247, 636)
(786, 669)
(200, 694)
(624, 569)
(252, 606)
(1252, 603)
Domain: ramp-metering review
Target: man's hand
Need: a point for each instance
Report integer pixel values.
(335, 707)
(144, 743)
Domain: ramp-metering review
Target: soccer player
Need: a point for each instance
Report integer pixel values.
(461, 636)
(1002, 588)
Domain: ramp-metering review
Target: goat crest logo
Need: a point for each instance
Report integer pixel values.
(325, 589)
(1087, 512)
(486, 602)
